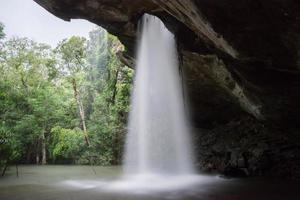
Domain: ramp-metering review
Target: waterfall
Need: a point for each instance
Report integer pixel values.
(158, 136)
(158, 156)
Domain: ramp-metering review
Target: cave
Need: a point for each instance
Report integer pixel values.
(240, 62)
(150, 99)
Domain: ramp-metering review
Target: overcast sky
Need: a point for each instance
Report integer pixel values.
(25, 18)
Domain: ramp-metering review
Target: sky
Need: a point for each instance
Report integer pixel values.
(25, 18)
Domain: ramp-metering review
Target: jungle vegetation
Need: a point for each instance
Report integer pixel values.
(63, 105)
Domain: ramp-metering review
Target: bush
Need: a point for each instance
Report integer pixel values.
(66, 144)
(9, 147)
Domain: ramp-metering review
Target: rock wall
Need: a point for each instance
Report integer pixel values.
(241, 63)
(246, 147)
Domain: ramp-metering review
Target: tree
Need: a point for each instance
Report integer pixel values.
(108, 120)
(66, 144)
(49, 98)
(73, 54)
(2, 35)
(97, 60)
(27, 78)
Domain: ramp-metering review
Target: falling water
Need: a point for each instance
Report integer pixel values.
(158, 138)
(157, 157)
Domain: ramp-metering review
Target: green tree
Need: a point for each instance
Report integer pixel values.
(66, 144)
(28, 100)
(97, 60)
(110, 108)
(2, 35)
(39, 116)
(73, 57)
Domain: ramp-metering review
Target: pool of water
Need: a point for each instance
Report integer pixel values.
(107, 183)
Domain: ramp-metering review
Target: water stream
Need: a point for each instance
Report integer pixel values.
(158, 139)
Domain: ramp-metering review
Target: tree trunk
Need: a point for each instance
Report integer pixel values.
(44, 158)
(113, 99)
(5, 167)
(28, 156)
(37, 158)
(37, 151)
(81, 112)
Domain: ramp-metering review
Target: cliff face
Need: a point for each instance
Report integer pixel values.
(241, 63)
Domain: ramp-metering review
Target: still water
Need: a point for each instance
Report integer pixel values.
(103, 183)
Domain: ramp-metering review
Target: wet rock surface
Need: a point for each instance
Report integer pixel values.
(241, 64)
(245, 147)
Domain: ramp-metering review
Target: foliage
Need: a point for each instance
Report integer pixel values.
(111, 106)
(1, 31)
(39, 115)
(73, 53)
(9, 146)
(66, 144)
